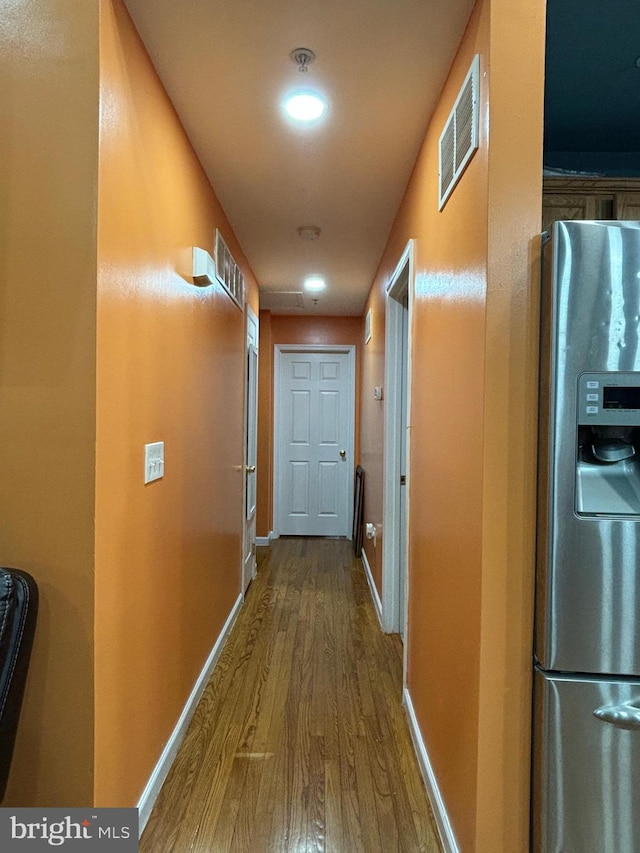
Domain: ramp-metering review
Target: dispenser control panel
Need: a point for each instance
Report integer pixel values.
(609, 398)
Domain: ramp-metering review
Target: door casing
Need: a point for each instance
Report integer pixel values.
(393, 611)
(248, 569)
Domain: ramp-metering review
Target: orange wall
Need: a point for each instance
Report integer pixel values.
(170, 367)
(445, 542)
(48, 175)
(372, 432)
(510, 421)
(283, 329)
(472, 432)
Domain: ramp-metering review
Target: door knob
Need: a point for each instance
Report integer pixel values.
(343, 454)
(251, 469)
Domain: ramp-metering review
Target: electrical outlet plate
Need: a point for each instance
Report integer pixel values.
(153, 461)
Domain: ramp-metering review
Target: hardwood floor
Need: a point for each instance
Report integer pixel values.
(299, 744)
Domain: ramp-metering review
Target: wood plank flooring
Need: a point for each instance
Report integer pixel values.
(299, 744)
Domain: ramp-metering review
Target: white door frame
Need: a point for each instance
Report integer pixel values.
(248, 572)
(279, 351)
(392, 443)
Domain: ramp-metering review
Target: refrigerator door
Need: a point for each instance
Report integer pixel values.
(588, 601)
(586, 765)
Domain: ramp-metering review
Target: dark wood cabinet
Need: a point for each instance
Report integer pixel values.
(589, 198)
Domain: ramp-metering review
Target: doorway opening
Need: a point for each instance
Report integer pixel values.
(397, 446)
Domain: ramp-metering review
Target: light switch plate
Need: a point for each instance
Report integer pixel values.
(153, 461)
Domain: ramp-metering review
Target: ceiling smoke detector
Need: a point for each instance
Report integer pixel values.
(303, 57)
(308, 232)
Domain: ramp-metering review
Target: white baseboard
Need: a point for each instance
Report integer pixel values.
(447, 838)
(161, 770)
(264, 541)
(372, 586)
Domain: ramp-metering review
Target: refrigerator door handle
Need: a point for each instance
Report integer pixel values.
(625, 716)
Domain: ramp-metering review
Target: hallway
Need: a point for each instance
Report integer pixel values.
(299, 742)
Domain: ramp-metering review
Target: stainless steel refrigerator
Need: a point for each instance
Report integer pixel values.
(586, 785)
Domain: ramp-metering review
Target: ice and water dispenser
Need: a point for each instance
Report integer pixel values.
(608, 439)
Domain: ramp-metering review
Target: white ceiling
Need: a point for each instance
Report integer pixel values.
(381, 65)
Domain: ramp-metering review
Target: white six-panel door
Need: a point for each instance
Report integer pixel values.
(314, 442)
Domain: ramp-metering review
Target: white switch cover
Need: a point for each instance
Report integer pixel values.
(153, 461)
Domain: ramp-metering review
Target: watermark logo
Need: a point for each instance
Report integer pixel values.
(80, 830)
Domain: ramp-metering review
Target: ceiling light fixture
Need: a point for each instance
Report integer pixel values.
(308, 232)
(314, 283)
(305, 106)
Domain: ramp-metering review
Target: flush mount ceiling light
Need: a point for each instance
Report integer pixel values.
(308, 232)
(305, 106)
(314, 283)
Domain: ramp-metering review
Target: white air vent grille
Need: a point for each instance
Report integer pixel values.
(228, 272)
(459, 139)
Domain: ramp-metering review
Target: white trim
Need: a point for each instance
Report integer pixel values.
(372, 587)
(279, 350)
(392, 444)
(445, 830)
(161, 770)
(228, 272)
(264, 541)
